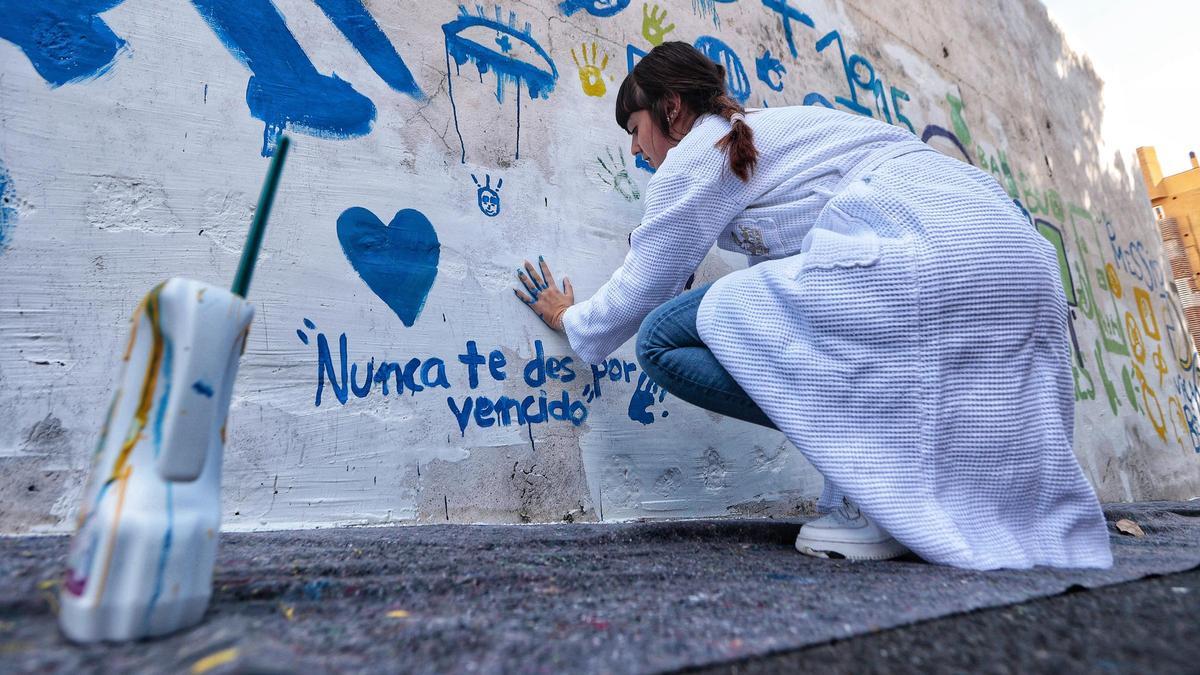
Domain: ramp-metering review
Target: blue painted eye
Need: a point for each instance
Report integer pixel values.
(501, 47)
(601, 8)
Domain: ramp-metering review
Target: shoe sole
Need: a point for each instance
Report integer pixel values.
(849, 551)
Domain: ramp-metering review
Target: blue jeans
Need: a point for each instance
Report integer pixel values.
(673, 355)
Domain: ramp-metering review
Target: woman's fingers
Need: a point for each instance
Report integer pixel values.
(523, 297)
(568, 290)
(533, 274)
(547, 278)
(529, 285)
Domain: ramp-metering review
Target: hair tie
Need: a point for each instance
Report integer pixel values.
(737, 117)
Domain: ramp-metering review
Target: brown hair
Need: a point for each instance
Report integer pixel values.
(679, 68)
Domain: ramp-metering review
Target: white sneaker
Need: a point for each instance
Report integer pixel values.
(846, 533)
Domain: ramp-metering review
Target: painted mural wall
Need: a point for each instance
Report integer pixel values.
(391, 376)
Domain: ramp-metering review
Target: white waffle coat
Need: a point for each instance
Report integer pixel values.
(902, 322)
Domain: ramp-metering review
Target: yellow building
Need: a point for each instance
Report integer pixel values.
(1176, 203)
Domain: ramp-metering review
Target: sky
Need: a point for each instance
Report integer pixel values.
(1148, 54)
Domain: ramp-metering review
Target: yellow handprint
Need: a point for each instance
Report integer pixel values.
(591, 75)
(652, 24)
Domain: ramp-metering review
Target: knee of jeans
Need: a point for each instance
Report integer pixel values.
(649, 345)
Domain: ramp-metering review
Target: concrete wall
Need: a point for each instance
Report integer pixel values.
(132, 147)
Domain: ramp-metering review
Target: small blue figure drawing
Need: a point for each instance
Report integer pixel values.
(770, 71)
(601, 8)
(489, 199)
(537, 75)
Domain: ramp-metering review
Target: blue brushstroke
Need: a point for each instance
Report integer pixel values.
(325, 366)
(286, 90)
(633, 55)
(641, 163)
(161, 572)
(814, 98)
(203, 388)
(360, 28)
(601, 8)
(770, 71)
(65, 41)
(398, 261)
(165, 376)
(736, 80)
(933, 130)
(788, 14)
(8, 205)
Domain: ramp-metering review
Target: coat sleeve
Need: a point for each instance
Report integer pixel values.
(685, 211)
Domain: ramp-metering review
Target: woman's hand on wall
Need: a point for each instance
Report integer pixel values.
(542, 296)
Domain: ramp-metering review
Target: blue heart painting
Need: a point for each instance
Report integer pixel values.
(398, 260)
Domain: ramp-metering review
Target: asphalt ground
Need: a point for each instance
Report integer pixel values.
(634, 598)
(1139, 627)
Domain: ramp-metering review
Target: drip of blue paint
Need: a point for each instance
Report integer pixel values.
(398, 261)
(165, 377)
(65, 41)
(286, 90)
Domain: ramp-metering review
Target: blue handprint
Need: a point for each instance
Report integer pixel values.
(644, 397)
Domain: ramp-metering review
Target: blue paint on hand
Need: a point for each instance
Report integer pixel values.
(398, 261)
(359, 27)
(65, 41)
(203, 388)
(286, 89)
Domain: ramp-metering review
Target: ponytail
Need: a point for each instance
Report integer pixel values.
(679, 68)
(739, 142)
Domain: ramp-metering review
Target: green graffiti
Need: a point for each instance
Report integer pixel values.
(1054, 236)
(1081, 395)
(957, 120)
(1130, 392)
(1110, 388)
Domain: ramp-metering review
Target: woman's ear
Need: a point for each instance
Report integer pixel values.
(674, 103)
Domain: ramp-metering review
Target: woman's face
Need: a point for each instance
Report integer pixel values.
(648, 140)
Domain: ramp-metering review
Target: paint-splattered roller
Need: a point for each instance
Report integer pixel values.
(141, 561)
